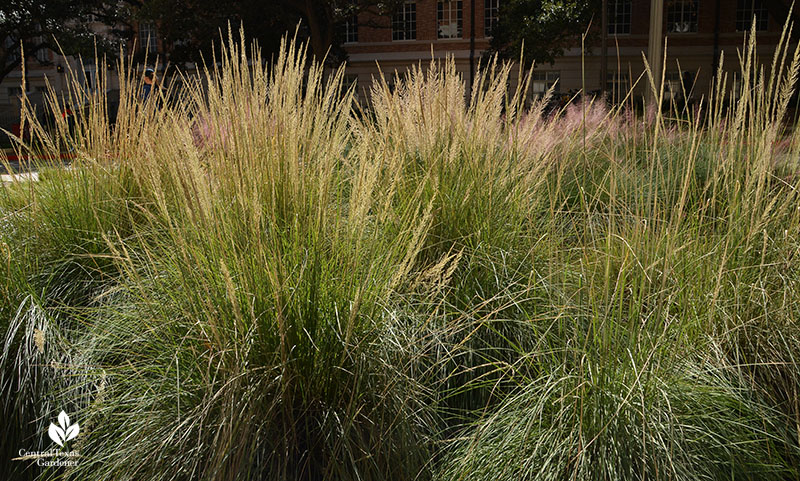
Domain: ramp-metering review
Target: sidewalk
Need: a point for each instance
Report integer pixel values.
(8, 178)
(16, 169)
(23, 164)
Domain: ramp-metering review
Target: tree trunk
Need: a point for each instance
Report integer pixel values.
(320, 28)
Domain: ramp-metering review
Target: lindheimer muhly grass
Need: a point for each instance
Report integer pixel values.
(258, 276)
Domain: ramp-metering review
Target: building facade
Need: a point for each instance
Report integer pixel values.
(418, 32)
(697, 34)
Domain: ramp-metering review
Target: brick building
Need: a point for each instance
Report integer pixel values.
(697, 33)
(416, 32)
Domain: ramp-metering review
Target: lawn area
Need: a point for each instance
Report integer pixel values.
(261, 279)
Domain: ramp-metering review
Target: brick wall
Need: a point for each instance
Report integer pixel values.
(426, 28)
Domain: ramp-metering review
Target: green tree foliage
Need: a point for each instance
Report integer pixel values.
(544, 27)
(57, 25)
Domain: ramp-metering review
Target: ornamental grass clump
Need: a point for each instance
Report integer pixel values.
(243, 317)
(256, 277)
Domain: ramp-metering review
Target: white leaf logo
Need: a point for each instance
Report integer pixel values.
(64, 431)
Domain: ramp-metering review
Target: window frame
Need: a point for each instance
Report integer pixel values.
(620, 9)
(148, 43)
(491, 15)
(440, 18)
(547, 78)
(746, 10)
(43, 54)
(679, 10)
(404, 22)
(350, 29)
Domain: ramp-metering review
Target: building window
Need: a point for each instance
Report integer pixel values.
(490, 15)
(749, 11)
(148, 37)
(677, 83)
(682, 16)
(619, 16)
(404, 22)
(672, 85)
(350, 29)
(43, 55)
(542, 81)
(448, 19)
